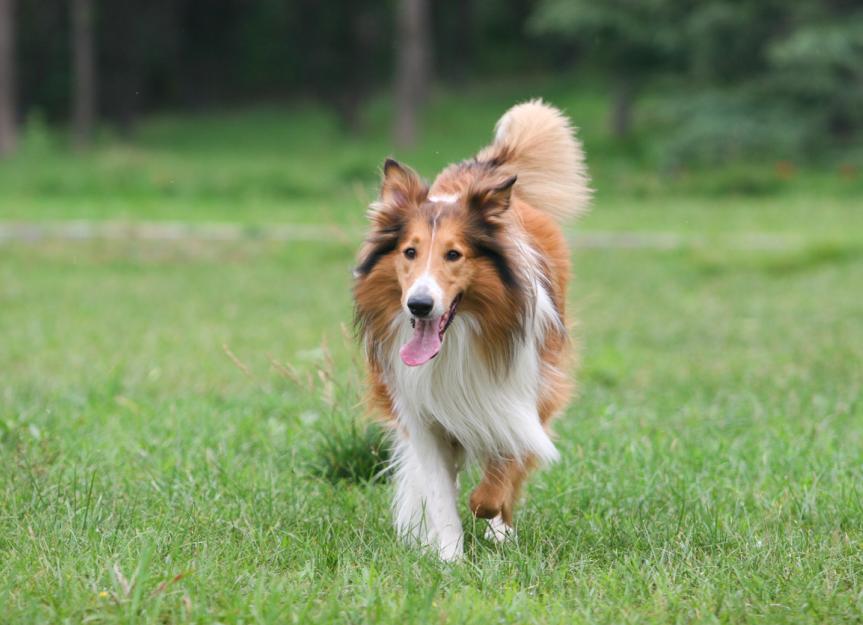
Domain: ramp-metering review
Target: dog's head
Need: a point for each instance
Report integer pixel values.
(437, 254)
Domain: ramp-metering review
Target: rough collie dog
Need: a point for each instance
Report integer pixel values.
(460, 293)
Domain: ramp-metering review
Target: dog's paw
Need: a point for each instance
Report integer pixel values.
(451, 551)
(498, 530)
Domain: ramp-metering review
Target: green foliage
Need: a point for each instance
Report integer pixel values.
(834, 46)
(349, 451)
(747, 79)
(347, 444)
(294, 165)
(782, 80)
(819, 68)
(623, 36)
(37, 139)
(721, 126)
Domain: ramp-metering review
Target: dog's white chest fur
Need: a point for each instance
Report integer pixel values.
(488, 414)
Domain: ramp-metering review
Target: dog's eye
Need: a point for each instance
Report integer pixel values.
(410, 253)
(453, 255)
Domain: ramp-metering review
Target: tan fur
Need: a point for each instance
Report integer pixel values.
(432, 242)
(535, 141)
(499, 490)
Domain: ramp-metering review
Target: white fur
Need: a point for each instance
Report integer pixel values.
(501, 129)
(486, 414)
(456, 398)
(444, 198)
(541, 149)
(498, 530)
(426, 285)
(425, 510)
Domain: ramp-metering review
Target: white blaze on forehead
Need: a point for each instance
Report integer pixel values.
(444, 198)
(433, 236)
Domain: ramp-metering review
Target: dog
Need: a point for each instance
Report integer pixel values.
(460, 293)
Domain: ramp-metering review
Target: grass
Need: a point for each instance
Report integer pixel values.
(180, 439)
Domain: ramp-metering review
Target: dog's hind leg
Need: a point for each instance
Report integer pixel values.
(497, 494)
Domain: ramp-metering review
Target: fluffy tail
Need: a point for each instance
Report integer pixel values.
(535, 142)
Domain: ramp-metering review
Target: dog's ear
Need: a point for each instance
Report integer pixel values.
(401, 190)
(401, 186)
(491, 201)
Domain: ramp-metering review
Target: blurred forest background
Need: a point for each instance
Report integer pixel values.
(734, 79)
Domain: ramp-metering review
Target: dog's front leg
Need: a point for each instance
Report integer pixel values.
(425, 504)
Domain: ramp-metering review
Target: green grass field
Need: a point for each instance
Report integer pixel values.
(174, 414)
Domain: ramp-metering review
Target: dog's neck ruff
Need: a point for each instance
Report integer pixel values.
(490, 412)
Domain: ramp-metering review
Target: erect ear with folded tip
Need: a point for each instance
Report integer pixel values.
(401, 185)
(401, 190)
(492, 201)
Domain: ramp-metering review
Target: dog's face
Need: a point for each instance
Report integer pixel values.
(444, 252)
(434, 264)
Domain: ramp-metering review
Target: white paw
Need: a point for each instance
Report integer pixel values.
(498, 531)
(451, 550)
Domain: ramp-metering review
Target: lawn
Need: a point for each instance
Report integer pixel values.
(175, 415)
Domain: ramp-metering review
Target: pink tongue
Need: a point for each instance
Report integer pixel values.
(424, 344)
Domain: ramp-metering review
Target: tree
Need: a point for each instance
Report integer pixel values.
(347, 79)
(413, 67)
(84, 72)
(766, 79)
(817, 66)
(7, 78)
(628, 40)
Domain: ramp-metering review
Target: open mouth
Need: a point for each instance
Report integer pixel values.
(425, 343)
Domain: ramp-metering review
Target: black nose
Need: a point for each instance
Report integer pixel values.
(420, 305)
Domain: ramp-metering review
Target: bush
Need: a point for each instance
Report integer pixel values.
(721, 126)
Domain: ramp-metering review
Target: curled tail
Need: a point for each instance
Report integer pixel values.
(535, 142)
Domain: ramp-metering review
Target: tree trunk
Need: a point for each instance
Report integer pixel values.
(621, 114)
(412, 68)
(84, 73)
(354, 89)
(464, 45)
(8, 130)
